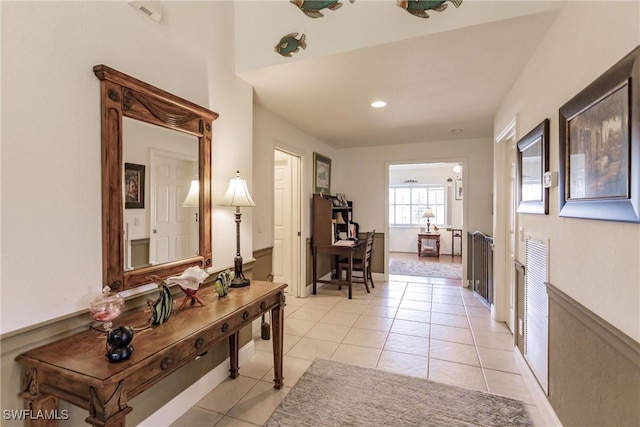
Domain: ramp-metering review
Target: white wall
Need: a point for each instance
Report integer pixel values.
(51, 189)
(595, 262)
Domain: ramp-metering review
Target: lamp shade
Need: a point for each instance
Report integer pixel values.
(193, 197)
(237, 193)
(428, 213)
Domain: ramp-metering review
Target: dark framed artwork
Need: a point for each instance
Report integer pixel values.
(321, 174)
(600, 147)
(133, 186)
(458, 189)
(533, 162)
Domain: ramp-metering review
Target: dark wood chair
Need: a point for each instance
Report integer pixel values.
(363, 263)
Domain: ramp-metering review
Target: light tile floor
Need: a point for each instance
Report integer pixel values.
(425, 327)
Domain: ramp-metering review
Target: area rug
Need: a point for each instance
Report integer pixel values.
(336, 394)
(408, 267)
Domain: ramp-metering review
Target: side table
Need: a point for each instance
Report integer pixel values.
(429, 251)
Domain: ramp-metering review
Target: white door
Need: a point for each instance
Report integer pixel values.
(171, 225)
(286, 221)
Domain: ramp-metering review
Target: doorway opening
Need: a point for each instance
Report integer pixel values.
(425, 221)
(287, 208)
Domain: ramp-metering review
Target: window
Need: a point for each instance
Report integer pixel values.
(408, 203)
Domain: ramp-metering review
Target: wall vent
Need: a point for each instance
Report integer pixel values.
(536, 337)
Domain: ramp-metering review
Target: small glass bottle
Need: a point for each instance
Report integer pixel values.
(106, 307)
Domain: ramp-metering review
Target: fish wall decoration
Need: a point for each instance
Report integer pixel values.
(419, 7)
(312, 8)
(290, 44)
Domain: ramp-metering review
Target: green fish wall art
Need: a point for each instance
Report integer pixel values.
(290, 44)
(419, 7)
(312, 8)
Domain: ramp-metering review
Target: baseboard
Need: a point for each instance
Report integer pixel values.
(547, 413)
(180, 404)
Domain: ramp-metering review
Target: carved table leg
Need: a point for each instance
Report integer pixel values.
(36, 402)
(277, 325)
(108, 410)
(234, 352)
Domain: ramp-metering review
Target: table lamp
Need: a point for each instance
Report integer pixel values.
(238, 195)
(428, 213)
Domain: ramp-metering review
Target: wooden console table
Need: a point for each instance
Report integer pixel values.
(426, 252)
(75, 369)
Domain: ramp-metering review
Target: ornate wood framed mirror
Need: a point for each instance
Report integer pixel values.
(149, 130)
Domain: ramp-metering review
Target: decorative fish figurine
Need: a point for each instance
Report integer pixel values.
(290, 44)
(223, 281)
(312, 8)
(161, 309)
(419, 7)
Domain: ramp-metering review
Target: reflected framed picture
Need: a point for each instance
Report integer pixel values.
(533, 162)
(600, 147)
(458, 189)
(321, 174)
(133, 186)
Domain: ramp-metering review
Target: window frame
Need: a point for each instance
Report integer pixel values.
(393, 205)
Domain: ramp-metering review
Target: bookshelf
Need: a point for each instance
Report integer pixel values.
(326, 214)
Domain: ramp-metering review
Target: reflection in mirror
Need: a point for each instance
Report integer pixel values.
(532, 172)
(162, 229)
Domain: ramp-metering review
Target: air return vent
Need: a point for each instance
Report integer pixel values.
(537, 310)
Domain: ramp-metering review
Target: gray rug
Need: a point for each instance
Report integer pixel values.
(408, 267)
(336, 394)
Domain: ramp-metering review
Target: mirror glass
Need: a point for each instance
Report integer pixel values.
(532, 172)
(159, 167)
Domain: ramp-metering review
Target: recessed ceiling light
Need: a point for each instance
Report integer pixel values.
(378, 104)
(456, 131)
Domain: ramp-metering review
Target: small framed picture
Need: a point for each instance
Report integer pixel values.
(321, 174)
(133, 186)
(458, 189)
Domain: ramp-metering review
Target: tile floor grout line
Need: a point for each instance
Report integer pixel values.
(475, 343)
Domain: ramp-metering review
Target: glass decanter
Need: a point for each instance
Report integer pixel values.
(106, 307)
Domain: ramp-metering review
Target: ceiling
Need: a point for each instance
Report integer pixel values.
(450, 71)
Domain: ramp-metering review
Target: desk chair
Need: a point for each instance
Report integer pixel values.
(362, 264)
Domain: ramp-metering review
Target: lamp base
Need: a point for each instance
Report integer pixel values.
(239, 281)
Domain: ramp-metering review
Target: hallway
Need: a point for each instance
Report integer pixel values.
(412, 326)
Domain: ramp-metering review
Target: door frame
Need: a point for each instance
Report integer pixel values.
(461, 160)
(503, 308)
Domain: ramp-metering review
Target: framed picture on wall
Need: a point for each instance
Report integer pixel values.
(133, 186)
(458, 189)
(321, 174)
(600, 147)
(533, 162)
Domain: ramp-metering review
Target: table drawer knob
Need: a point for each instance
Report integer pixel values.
(199, 343)
(225, 327)
(245, 315)
(263, 305)
(166, 363)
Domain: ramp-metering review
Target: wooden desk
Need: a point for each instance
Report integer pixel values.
(76, 370)
(429, 236)
(340, 251)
